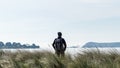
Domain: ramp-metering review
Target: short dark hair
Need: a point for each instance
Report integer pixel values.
(59, 33)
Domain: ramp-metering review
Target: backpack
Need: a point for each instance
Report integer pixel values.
(58, 44)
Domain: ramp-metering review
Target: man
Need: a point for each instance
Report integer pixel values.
(59, 45)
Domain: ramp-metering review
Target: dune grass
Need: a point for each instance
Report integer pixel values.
(45, 59)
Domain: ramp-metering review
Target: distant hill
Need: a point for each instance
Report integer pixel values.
(101, 45)
(16, 45)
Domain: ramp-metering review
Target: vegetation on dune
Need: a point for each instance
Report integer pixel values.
(87, 59)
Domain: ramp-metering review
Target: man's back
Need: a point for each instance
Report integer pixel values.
(59, 44)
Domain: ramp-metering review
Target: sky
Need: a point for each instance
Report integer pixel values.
(80, 21)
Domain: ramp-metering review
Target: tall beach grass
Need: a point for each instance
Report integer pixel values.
(45, 59)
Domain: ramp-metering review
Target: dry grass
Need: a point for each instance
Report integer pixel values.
(88, 59)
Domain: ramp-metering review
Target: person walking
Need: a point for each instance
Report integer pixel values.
(59, 45)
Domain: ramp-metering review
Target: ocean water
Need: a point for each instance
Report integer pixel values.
(71, 51)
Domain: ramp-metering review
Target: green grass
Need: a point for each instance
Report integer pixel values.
(87, 59)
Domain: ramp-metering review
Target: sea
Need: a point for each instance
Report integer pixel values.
(72, 51)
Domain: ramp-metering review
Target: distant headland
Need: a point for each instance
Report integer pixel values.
(101, 45)
(15, 45)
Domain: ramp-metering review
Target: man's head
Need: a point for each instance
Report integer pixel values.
(59, 34)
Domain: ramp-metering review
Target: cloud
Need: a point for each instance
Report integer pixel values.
(36, 20)
(57, 11)
(96, 1)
